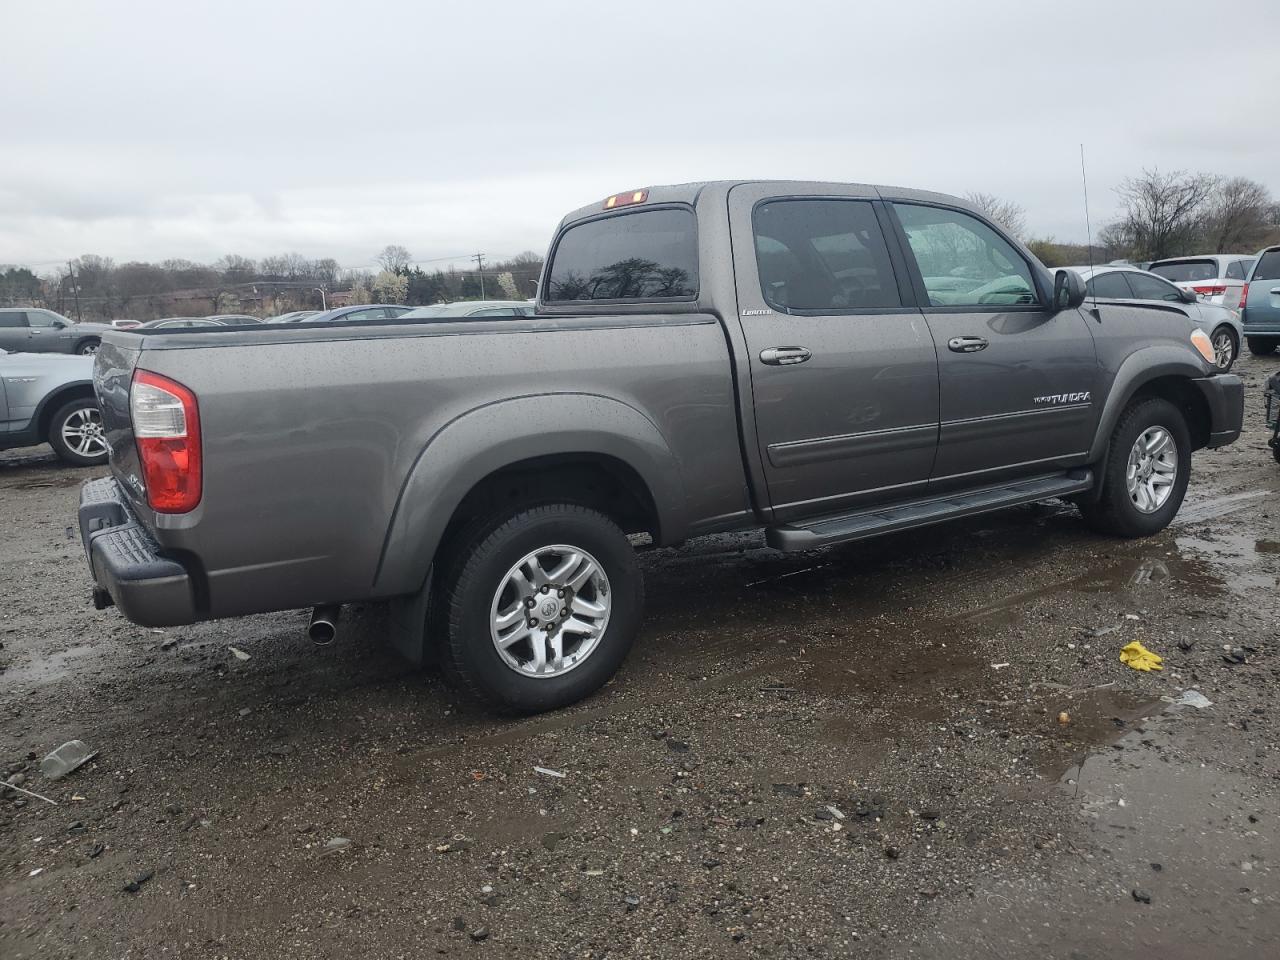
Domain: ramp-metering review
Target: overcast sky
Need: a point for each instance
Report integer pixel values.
(146, 130)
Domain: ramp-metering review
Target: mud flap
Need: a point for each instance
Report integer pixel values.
(408, 626)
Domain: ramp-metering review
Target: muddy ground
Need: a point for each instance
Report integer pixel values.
(853, 752)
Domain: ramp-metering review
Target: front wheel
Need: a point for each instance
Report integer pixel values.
(76, 433)
(540, 607)
(1261, 346)
(1148, 465)
(1225, 348)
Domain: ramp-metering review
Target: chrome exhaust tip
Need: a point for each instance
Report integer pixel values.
(323, 629)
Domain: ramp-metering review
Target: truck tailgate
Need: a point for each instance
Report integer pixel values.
(112, 376)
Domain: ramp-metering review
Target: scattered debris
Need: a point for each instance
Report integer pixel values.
(1190, 698)
(70, 756)
(1235, 655)
(999, 666)
(10, 785)
(480, 934)
(134, 885)
(549, 773)
(1138, 657)
(36, 872)
(336, 844)
(835, 812)
(677, 746)
(238, 653)
(1064, 718)
(1141, 895)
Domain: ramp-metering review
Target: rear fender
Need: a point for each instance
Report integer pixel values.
(486, 439)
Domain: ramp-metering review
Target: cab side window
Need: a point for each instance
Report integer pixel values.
(1109, 286)
(821, 256)
(963, 261)
(1147, 287)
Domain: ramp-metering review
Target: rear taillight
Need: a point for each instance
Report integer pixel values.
(1244, 297)
(1211, 290)
(166, 428)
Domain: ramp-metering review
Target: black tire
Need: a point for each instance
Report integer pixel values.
(477, 567)
(1261, 346)
(1115, 513)
(60, 446)
(1230, 334)
(88, 347)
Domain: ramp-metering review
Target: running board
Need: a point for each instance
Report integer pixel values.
(918, 513)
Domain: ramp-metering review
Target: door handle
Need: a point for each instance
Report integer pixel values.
(36, 333)
(967, 344)
(784, 356)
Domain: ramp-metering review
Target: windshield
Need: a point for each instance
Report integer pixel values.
(1186, 271)
(1268, 266)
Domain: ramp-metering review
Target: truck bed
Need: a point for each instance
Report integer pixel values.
(331, 458)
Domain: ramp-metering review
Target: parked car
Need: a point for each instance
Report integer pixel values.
(358, 312)
(126, 324)
(35, 330)
(1129, 283)
(704, 358)
(49, 399)
(180, 323)
(1260, 306)
(1215, 278)
(295, 316)
(472, 308)
(235, 319)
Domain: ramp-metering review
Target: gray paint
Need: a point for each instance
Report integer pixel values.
(334, 457)
(32, 385)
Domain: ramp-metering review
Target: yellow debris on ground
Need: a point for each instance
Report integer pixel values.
(1140, 658)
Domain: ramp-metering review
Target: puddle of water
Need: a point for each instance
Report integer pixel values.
(52, 668)
(1243, 560)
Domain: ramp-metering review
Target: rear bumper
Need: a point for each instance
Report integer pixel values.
(1224, 395)
(126, 563)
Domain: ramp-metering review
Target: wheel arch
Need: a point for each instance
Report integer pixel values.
(581, 448)
(55, 401)
(1157, 371)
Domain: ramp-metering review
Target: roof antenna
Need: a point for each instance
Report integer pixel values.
(1084, 180)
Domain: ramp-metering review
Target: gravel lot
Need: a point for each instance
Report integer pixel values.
(852, 752)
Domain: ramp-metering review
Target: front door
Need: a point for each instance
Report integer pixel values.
(1017, 380)
(14, 333)
(844, 377)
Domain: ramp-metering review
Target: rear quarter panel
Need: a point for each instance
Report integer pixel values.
(311, 438)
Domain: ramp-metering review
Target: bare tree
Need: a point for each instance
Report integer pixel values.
(1238, 216)
(394, 258)
(1163, 213)
(1007, 213)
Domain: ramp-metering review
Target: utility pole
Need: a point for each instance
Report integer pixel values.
(479, 259)
(75, 288)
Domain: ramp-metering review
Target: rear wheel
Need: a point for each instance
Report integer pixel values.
(1261, 346)
(76, 433)
(540, 607)
(1225, 348)
(87, 348)
(1148, 465)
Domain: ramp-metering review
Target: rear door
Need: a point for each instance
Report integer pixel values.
(844, 376)
(1262, 309)
(1017, 380)
(15, 336)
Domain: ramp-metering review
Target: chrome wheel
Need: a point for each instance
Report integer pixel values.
(550, 611)
(83, 434)
(1224, 349)
(88, 349)
(1152, 469)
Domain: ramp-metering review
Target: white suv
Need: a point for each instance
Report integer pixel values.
(1215, 277)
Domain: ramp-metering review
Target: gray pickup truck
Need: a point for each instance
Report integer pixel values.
(825, 361)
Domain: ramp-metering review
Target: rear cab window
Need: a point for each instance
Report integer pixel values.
(642, 255)
(1186, 271)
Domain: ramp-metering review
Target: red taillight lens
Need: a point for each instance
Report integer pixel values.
(1211, 290)
(1244, 297)
(166, 428)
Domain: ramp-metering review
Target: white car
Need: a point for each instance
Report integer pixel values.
(1129, 283)
(1214, 278)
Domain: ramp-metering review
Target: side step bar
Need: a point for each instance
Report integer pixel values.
(918, 513)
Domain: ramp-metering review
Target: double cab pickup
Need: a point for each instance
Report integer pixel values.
(825, 361)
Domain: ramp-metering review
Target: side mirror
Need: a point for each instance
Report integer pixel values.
(1187, 296)
(1068, 290)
